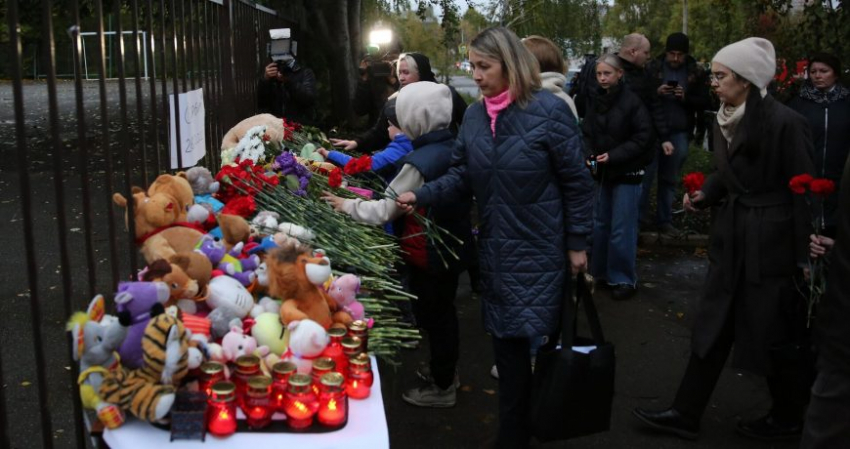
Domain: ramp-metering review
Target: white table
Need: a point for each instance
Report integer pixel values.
(366, 428)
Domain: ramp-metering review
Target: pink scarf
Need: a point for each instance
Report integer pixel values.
(495, 105)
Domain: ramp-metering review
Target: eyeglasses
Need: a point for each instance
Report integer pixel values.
(717, 77)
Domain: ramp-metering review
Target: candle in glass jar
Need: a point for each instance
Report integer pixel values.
(301, 403)
(211, 372)
(351, 346)
(360, 377)
(332, 405)
(221, 411)
(321, 366)
(281, 371)
(360, 330)
(334, 350)
(247, 366)
(257, 403)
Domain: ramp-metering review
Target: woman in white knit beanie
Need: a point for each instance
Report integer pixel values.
(758, 245)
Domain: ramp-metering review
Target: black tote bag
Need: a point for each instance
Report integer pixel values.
(573, 386)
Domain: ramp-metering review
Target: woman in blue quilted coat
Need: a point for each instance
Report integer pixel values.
(519, 152)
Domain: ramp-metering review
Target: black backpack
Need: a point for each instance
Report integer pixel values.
(585, 83)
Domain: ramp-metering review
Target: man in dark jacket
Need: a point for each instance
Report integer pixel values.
(826, 425)
(682, 91)
(288, 91)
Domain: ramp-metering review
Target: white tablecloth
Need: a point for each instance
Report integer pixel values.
(366, 428)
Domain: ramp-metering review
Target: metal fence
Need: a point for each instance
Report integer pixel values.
(67, 146)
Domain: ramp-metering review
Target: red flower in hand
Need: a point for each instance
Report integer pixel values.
(359, 165)
(335, 178)
(800, 183)
(693, 182)
(822, 187)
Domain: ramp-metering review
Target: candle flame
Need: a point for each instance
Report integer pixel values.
(300, 406)
(332, 404)
(224, 415)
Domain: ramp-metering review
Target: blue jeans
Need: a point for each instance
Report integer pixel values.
(615, 234)
(667, 168)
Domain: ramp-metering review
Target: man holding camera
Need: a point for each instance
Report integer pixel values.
(682, 92)
(377, 82)
(288, 90)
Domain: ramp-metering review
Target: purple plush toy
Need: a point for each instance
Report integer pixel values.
(138, 298)
(240, 269)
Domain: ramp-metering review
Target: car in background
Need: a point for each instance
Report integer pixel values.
(466, 66)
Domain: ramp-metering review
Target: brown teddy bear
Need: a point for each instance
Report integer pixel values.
(178, 187)
(180, 285)
(287, 272)
(198, 267)
(234, 230)
(274, 129)
(155, 217)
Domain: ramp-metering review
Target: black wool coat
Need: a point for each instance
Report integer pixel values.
(759, 239)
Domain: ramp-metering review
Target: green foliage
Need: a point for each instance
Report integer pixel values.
(572, 24)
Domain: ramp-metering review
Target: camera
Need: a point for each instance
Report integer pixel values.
(282, 50)
(377, 68)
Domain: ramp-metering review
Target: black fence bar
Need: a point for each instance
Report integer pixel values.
(83, 151)
(61, 220)
(26, 210)
(104, 128)
(149, 56)
(140, 119)
(218, 46)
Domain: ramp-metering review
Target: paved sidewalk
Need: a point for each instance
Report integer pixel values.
(651, 334)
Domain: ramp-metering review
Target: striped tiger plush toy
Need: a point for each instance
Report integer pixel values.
(149, 392)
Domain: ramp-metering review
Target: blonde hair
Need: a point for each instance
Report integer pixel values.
(612, 60)
(411, 63)
(519, 66)
(548, 54)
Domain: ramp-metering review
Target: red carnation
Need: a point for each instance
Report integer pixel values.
(822, 187)
(335, 178)
(241, 205)
(800, 183)
(693, 182)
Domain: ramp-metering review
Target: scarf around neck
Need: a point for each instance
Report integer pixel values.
(728, 117)
(812, 93)
(495, 105)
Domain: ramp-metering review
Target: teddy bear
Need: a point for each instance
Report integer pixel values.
(157, 233)
(274, 129)
(140, 300)
(230, 302)
(201, 181)
(95, 339)
(180, 285)
(344, 290)
(307, 340)
(197, 267)
(264, 223)
(294, 275)
(234, 230)
(148, 392)
(176, 186)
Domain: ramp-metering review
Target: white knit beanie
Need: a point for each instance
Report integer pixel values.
(753, 58)
(423, 107)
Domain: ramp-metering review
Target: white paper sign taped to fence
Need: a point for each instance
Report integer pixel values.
(193, 143)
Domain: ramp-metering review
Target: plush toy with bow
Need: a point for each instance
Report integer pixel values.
(307, 340)
(96, 338)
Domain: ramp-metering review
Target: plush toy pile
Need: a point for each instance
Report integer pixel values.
(237, 263)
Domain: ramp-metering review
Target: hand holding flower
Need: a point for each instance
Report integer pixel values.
(335, 201)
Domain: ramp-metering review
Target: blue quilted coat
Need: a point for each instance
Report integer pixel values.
(534, 199)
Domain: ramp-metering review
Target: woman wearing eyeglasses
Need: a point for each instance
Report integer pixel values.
(758, 245)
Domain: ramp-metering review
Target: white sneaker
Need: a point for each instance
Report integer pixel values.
(431, 396)
(494, 372)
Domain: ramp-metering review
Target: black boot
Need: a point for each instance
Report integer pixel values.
(767, 428)
(669, 421)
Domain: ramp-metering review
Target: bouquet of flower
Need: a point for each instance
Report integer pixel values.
(815, 191)
(786, 85)
(693, 182)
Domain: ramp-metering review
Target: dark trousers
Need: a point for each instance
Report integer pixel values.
(435, 312)
(513, 361)
(787, 387)
(826, 420)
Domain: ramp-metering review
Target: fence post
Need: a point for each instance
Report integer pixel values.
(227, 117)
